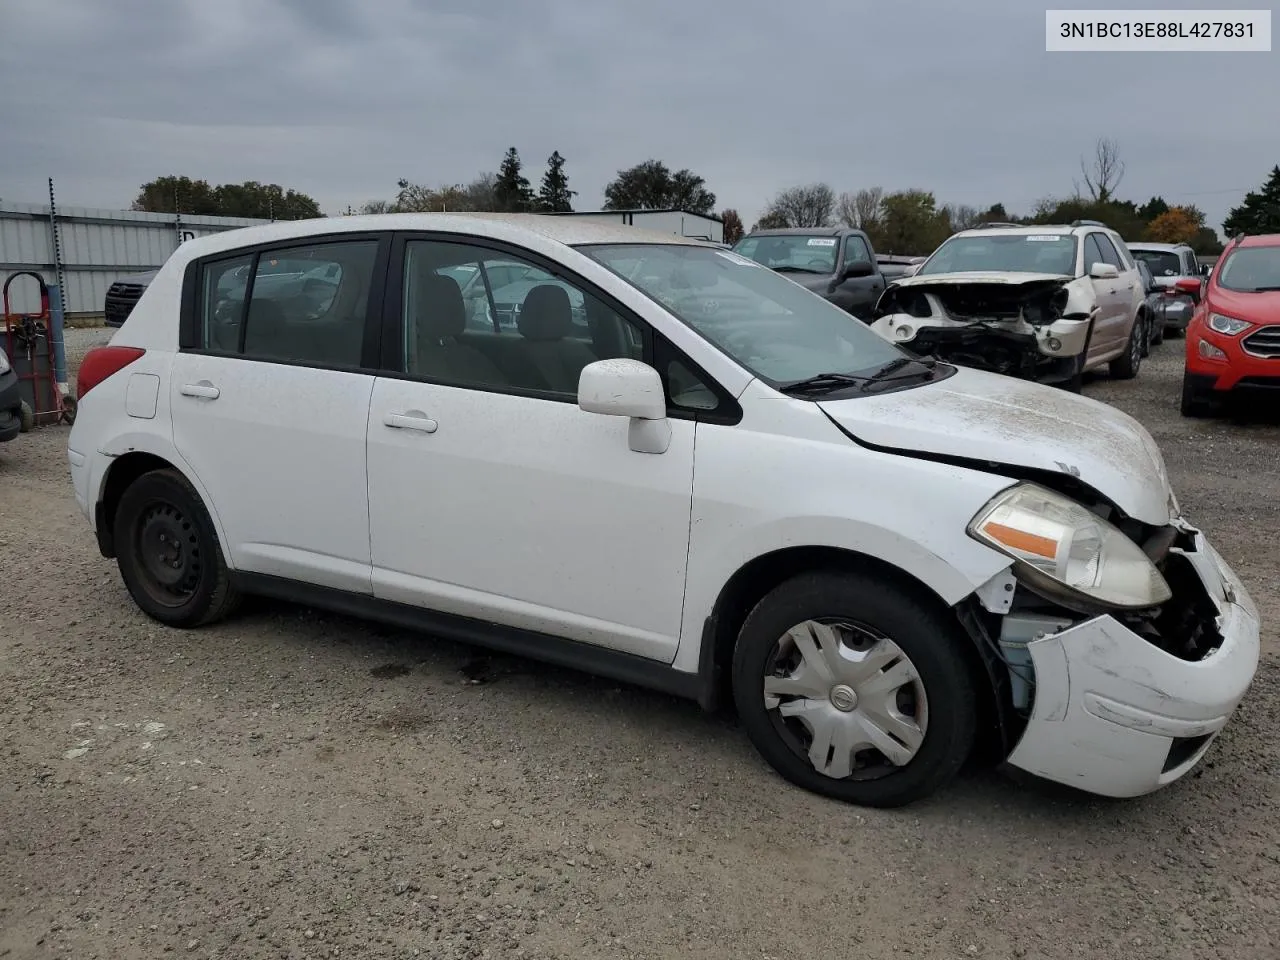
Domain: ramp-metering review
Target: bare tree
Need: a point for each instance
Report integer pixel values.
(1106, 172)
(807, 206)
(861, 209)
(962, 216)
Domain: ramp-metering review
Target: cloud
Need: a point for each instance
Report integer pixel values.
(339, 99)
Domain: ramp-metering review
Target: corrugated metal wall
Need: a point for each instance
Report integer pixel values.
(98, 247)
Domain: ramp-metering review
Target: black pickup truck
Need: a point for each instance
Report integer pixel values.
(836, 262)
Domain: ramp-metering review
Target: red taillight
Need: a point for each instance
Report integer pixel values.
(100, 363)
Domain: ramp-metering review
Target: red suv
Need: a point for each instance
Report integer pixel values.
(1233, 340)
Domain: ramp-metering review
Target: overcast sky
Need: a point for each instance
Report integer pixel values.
(339, 98)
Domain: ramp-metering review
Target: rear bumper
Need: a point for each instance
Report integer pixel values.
(1117, 716)
(1176, 314)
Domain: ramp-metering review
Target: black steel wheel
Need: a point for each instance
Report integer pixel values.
(168, 552)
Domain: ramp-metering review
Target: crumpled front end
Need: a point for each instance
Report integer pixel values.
(1124, 705)
(1032, 329)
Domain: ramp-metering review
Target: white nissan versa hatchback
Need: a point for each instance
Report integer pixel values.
(675, 468)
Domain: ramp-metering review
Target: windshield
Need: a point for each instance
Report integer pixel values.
(1161, 263)
(1251, 269)
(769, 324)
(1005, 252)
(797, 252)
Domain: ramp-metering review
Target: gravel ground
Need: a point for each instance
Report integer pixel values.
(295, 784)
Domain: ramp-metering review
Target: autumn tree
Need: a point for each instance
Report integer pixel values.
(1153, 208)
(555, 195)
(650, 185)
(811, 205)
(1260, 211)
(1176, 225)
(733, 231)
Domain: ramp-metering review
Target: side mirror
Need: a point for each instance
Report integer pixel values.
(1104, 271)
(1188, 285)
(1205, 269)
(858, 268)
(628, 388)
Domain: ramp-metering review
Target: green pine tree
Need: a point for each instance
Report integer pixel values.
(511, 190)
(555, 195)
(1260, 212)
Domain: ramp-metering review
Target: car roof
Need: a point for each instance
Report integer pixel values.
(1030, 229)
(512, 227)
(803, 231)
(1261, 240)
(1168, 247)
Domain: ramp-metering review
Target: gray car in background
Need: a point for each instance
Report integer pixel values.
(1170, 263)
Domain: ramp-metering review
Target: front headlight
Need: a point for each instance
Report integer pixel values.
(4, 362)
(1067, 553)
(1228, 325)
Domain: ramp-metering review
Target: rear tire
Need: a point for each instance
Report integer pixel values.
(866, 676)
(1126, 366)
(1157, 332)
(168, 552)
(1197, 401)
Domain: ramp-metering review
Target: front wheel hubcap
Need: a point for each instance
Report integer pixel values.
(847, 698)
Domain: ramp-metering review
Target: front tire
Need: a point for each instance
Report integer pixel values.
(855, 688)
(168, 552)
(1198, 401)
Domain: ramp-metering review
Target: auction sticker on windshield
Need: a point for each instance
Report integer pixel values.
(821, 242)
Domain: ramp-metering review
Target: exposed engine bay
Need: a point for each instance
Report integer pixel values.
(1019, 326)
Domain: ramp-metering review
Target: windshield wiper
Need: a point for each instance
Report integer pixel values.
(883, 374)
(1267, 289)
(787, 268)
(821, 381)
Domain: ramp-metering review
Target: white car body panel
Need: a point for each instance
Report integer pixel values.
(285, 445)
(530, 513)
(975, 414)
(535, 514)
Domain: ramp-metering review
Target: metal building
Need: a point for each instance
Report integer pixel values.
(96, 248)
(679, 222)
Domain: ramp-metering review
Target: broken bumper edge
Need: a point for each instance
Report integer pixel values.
(1116, 716)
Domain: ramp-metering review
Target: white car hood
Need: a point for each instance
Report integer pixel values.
(988, 277)
(985, 416)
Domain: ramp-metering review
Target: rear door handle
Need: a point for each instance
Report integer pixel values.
(413, 420)
(203, 389)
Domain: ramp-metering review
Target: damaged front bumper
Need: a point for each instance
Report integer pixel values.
(1115, 715)
(1016, 348)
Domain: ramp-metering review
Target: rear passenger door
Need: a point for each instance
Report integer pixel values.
(492, 495)
(270, 401)
(1108, 329)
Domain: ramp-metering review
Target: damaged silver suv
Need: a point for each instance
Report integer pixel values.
(1039, 302)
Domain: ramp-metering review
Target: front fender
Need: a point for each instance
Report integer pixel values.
(757, 491)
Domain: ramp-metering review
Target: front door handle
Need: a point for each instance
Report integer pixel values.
(203, 389)
(413, 420)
